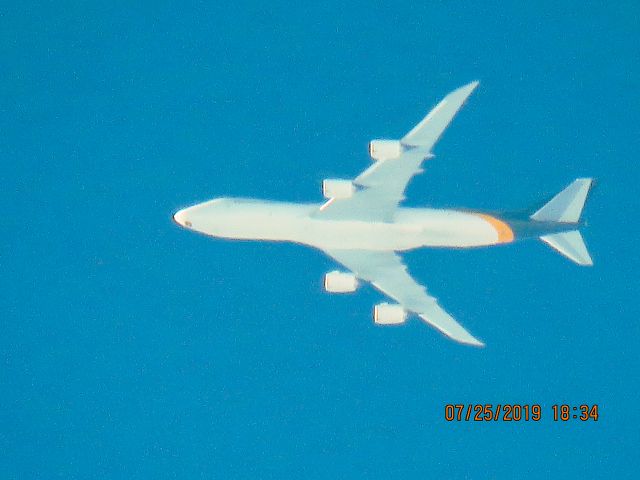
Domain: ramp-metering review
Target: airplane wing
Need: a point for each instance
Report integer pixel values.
(386, 272)
(380, 188)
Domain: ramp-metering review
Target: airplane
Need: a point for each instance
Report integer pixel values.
(362, 227)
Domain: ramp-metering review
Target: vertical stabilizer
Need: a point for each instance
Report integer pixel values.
(571, 245)
(565, 207)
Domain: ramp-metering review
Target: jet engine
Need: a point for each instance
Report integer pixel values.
(389, 314)
(333, 188)
(381, 150)
(340, 282)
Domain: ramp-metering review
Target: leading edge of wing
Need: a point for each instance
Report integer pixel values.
(387, 273)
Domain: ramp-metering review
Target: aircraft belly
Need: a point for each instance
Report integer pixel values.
(360, 235)
(412, 228)
(448, 229)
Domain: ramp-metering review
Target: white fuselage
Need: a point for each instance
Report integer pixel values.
(280, 221)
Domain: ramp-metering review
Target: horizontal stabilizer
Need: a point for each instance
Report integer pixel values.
(565, 207)
(571, 245)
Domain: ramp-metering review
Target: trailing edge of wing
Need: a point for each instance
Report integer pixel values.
(386, 272)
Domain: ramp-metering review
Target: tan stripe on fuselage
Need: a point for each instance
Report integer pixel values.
(505, 234)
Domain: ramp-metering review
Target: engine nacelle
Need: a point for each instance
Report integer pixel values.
(381, 150)
(333, 188)
(340, 282)
(389, 314)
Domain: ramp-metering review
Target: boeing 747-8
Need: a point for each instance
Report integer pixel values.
(362, 227)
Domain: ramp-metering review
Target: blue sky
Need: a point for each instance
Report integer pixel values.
(133, 349)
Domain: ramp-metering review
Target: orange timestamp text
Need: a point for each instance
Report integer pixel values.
(515, 412)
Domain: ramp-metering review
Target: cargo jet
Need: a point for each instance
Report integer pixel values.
(362, 227)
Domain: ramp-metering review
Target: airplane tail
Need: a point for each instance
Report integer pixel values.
(566, 208)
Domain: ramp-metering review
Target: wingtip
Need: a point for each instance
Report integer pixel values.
(466, 90)
(476, 343)
(473, 85)
(585, 180)
(467, 339)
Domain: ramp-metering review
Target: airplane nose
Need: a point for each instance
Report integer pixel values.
(180, 218)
